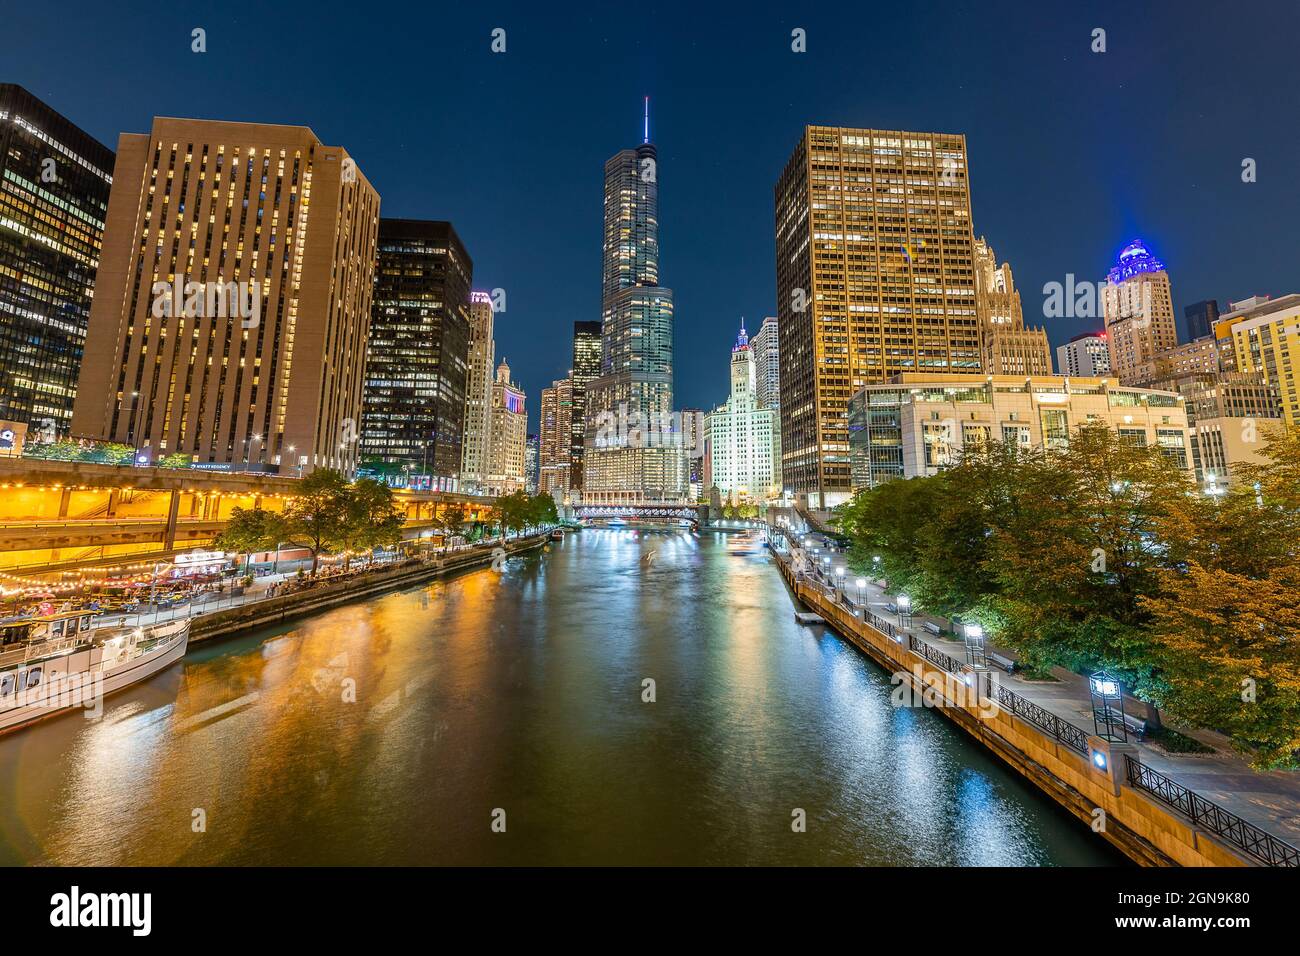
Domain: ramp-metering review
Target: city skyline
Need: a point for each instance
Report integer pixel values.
(725, 152)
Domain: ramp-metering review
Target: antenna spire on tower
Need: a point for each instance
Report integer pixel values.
(646, 134)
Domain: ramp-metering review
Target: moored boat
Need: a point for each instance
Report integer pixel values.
(55, 662)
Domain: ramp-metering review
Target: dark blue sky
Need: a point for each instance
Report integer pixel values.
(1072, 153)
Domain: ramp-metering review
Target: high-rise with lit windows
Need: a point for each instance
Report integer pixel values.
(419, 351)
(232, 304)
(631, 451)
(1139, 310)
(478, 392)
(54, 185)
(1006, 346)
(586, 368)
(875, 277)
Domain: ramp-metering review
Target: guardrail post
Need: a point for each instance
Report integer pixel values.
(1106, 758)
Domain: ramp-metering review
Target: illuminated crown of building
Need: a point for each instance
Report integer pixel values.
(1134, 259)
(742, 340)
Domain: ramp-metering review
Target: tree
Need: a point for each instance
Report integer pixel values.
(372, 519)
(542, 510)
(452, 522)
(1225, 618)
(249, 530)
(317, 516)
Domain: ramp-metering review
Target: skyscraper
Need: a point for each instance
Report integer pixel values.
(556, 437)
(586, 367)
(1200, 318)
(507, 464)
(54, 184)
(1006, 346)
(419, 350)
(532, 459)
(1139, 311)
(874, 267)
(766, 345)
(631, 452)
(740, 435)
(1086, 354)
(478, 392)
(228, 325)
(1262, 336)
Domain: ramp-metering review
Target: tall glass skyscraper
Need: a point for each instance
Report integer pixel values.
(585, 369)
(54, 184)
(632, 453)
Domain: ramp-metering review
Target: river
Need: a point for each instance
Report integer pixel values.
(412, 728)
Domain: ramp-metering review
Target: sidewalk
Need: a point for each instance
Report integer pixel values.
(1268, 799)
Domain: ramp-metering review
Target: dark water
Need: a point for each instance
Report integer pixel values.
(523, 691)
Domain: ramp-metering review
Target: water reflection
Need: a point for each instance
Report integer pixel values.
(388, 732)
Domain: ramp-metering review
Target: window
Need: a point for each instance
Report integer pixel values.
(1056, 429)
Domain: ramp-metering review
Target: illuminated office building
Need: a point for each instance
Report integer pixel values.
(632, 452)
(1139, 312)
(1261, 336)
(1086, 354)
(875, 277)
(507, 455)
(416, 375)
(478, 392)
(556, 461)
(54, 185)
(256, 360)
(1006, 346)
(586, 367)
(740, 436)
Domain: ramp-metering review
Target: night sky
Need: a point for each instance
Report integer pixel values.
(1072, 152)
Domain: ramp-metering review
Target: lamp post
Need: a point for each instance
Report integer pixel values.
(1107, 707)
(976, 652)
(904, 611)
(862, 584)
(839, 578)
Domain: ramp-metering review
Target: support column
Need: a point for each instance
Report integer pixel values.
(64, 500)
(173, 508)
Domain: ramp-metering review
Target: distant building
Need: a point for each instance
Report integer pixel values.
(692, 420)
(1139, 311)
(478, 392)
(507, 445)
(532, 458)
(1198, 356)
(1200, 318)
(259, 360)
(1231, 417)
(419, 349)
(556, 446)
(586, 367)
(1261, 336)
(1006, 346)
(54, 185)
(918, 425)
(1086, 354)
(766, 345)
(630, 453)
(740, 437)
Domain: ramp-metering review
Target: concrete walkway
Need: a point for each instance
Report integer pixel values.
(1268, 799)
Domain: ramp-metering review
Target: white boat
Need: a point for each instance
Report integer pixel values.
(748, 542)
(56, 662)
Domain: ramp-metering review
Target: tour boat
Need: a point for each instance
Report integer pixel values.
(56, 662)
(748, 542)
(557, 535)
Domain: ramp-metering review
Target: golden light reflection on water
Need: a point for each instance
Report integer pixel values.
(387, 731)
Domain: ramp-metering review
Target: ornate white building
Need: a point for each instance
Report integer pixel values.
(742, 438)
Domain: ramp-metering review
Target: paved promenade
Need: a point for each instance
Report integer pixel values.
(1268, 799)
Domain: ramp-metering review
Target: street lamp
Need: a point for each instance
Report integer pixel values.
(1107, 707)
(904, 611)
(861, 583)
(976, 655)
(839, 577)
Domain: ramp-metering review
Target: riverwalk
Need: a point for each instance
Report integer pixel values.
(1256, 814)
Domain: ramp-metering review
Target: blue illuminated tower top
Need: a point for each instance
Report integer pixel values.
(1134, 259)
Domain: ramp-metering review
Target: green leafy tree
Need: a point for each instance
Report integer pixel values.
(452, 521)
(317, 517)
(372, 520)
(249, 530)
(542, 510)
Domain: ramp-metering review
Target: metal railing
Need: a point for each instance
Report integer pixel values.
(934, 655)
(1257, 843)
(1058, 727)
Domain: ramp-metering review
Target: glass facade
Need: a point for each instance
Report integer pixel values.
(54, 186)
(418, 358)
